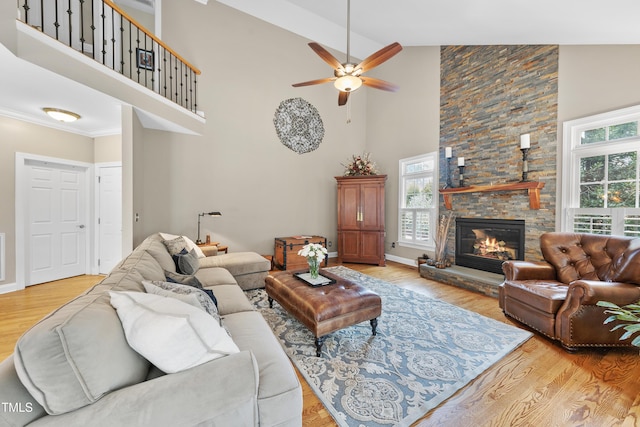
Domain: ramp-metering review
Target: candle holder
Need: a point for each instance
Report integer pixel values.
(525, 164)
(448, 172)
(461, 168)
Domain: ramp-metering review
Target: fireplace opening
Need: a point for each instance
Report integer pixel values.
(484, 244)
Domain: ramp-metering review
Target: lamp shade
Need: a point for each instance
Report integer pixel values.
(347, 83)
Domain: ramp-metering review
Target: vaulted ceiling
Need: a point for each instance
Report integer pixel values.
(374, 24)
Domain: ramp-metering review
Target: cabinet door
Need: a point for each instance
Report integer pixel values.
(372, 207)
(371, 247)
(348, 207)
(349, 246)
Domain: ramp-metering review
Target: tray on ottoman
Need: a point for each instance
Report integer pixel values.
(327, 308)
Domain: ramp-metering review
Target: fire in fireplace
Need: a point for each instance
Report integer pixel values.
(484, 244)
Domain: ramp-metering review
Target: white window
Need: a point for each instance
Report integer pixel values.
(601, 174)
(418, 201)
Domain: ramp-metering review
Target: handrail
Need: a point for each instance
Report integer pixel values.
(148, 33)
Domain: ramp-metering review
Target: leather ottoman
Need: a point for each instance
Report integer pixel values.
(327, 308)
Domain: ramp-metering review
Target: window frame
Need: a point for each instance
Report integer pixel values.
(433, 210)
(572, 153)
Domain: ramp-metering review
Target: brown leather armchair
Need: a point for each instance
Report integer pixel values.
(557, 297)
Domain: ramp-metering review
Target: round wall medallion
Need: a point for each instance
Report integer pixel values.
(298, 125)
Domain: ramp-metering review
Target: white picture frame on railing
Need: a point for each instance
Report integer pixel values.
(144, 59)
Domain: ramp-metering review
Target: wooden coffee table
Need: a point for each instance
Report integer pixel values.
(324, 309)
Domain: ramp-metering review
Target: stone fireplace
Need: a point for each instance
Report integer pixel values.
(484, 244)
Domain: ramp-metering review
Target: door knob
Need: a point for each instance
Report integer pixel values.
(81, 226)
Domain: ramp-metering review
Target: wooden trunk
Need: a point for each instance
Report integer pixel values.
(286, 251)
(361, 219)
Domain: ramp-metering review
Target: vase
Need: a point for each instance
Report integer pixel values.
(314, 266)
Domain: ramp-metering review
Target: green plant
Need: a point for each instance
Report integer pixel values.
(629, 314)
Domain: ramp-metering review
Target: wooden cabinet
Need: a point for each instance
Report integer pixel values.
(361, 219)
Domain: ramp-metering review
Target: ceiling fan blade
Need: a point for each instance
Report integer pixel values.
(379, 84)
(314, 82)
(343, 97)
(379, 57)
(325, 55)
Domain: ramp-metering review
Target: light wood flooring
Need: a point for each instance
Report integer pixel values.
(538, 384)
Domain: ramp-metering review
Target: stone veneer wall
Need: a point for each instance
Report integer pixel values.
(489, 96)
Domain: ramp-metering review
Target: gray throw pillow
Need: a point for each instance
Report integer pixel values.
(177, 288)
(188, 263)
(183, 279)
(175, 246)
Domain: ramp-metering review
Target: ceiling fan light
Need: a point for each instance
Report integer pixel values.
(347, 83)
(61, 115)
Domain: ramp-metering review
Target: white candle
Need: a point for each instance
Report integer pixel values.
(525, 141)
(447, 152)
(460, 161)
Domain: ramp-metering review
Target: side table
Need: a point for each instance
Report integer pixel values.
(221, 248)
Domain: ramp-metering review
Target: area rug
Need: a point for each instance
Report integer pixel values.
(425, 351)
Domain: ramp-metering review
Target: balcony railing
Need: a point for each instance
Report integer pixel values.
(103, 31)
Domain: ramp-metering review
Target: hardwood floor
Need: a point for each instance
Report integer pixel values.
(538, 384)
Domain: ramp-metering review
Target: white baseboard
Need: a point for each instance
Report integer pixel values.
(407, 261)
(9, 287)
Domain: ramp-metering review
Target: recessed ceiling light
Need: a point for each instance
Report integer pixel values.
(61, 115)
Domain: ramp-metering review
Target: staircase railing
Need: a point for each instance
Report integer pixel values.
(103, 31)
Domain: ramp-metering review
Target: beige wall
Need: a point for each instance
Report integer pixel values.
(404, 124)
(239, 167)
(107, 149)
(23, 137)
(593, 80)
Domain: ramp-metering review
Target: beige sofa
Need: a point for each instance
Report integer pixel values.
(75, 367)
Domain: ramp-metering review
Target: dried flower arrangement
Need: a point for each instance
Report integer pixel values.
(360, 165)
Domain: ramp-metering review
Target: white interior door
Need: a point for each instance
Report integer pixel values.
(56, 221)
(109, 217)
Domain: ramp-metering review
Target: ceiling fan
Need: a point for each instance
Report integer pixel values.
(348, 77)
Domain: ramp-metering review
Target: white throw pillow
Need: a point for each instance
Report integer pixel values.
(190, 243)
(171, 334)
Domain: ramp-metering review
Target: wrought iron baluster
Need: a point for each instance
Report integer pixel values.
(195, 92)
(103, 40)
(181, 102)
(121, 70)
(56, 24)
(69, 13)
(93, 32)
(138, 53)
(170, 77)
(164, 67)
(113, 39)
(82, 26)
(153, 64)
(25, 7)
(177, 74)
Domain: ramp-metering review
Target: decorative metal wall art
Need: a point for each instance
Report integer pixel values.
(298, 125)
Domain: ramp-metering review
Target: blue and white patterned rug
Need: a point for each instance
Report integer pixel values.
(425, 351)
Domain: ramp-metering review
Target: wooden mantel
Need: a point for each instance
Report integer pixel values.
(532, 187)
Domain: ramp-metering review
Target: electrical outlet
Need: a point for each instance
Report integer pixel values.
(329, 243)
(393, 244)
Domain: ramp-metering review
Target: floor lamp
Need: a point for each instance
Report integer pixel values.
(199, 242)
